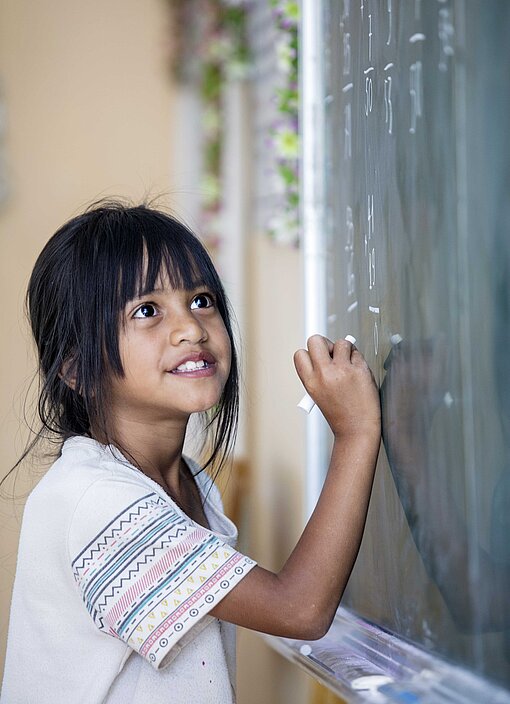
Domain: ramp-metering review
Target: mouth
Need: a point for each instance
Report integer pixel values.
(188, 367)
(195, 365)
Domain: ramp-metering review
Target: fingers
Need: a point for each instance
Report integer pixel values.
(303, 364)
(344, 351)
(319, 352)
(322, 351)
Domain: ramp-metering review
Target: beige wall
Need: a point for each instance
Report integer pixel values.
(89, 103)
(275, 448)
(90, 113)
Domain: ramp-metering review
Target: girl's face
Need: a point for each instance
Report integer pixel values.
(176, 354)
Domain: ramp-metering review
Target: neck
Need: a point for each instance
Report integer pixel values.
(156, 449)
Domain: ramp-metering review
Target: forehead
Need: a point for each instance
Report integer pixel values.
(164, 283)
(165, 265)
(169, 273)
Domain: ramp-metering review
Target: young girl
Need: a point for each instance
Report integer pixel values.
(128, 580)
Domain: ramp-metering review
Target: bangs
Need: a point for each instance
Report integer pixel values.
(150, 251)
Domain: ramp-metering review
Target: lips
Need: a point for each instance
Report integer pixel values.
(194, 363)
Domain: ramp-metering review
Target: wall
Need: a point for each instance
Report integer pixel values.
(91, 112)
(276, 448)
(89, 102)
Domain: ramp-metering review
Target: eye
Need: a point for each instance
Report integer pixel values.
(147, 310)
(202, 300)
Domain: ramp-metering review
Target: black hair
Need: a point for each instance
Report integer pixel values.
(83, 278)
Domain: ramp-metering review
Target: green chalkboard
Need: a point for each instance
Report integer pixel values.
(416, 140)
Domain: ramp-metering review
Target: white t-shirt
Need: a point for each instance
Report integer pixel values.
(110, 569)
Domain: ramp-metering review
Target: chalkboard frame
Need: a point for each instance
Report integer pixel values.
(361, 662)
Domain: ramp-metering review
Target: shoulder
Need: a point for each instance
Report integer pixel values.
(82, 463)
(89, 487)
(116, 493)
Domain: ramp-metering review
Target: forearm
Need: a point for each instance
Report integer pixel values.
(321, 563)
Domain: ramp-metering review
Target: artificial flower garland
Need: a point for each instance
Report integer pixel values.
(212, 50)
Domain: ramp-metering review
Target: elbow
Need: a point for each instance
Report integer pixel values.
(314, 632)
(312, 624)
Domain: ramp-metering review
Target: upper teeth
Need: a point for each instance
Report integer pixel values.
(189, 366)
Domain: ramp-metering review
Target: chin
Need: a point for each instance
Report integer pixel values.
(204, 405)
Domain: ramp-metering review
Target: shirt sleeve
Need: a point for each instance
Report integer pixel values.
(147, 573)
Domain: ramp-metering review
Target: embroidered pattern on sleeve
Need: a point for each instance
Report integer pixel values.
(150, 575)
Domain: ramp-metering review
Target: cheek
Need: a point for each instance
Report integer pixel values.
(227, 347)
(229, 355)
(137, 357)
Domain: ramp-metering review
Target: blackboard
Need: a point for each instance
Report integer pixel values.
(416, 175)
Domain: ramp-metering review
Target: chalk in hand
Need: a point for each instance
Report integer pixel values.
(307, 402)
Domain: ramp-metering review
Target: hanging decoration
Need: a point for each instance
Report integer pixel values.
(284, 226)
(212, 49)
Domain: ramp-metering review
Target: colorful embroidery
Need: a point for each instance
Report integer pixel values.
(151, 574)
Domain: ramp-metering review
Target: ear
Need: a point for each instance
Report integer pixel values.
(68, 372)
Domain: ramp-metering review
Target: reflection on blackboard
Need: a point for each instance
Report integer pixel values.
(417, 176)
(413, 391)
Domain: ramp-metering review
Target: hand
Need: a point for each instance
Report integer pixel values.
(340, 382)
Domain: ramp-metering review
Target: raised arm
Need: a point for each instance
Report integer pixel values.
(300, 601)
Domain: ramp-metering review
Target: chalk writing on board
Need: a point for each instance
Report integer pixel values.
(388, 9)
(370, 34)
(370, 222)
(388, 107)
(415, 91)
(446, 33)
(347, 132)
(347, 54)
(369, 93)
(346, 10)
(349, 249)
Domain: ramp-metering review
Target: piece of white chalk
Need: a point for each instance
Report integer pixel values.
(307, 402)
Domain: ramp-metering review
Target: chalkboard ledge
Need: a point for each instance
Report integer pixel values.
(363, 663)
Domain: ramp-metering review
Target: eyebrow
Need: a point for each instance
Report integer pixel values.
(143, 294)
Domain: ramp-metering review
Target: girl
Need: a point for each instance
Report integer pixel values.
(128, 581)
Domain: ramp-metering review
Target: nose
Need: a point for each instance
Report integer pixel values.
(185, 327)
